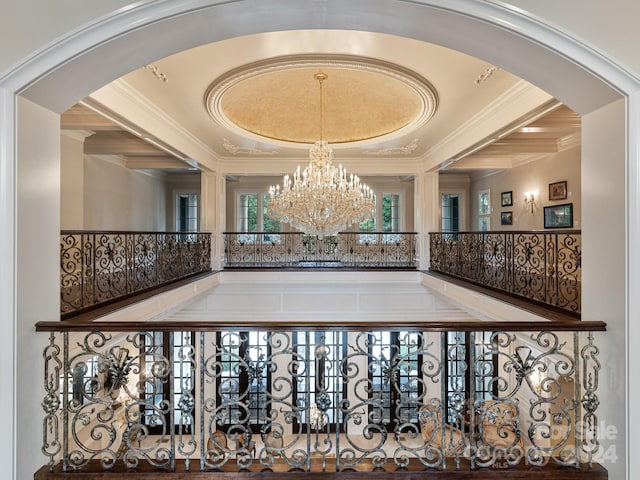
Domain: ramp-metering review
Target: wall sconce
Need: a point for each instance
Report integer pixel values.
(530, 199)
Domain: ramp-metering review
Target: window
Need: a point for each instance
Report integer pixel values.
(390, 212)
(252, 215)
(155, 375)
(457, 372)
(244, 381)
(395, 376)
(187, 212)
(85, 381)
(320, 388)
(484, 210)
(450, 212)
(248, 212)
(369, 225)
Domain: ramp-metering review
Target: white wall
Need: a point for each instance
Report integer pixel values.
(534, 176)
(116, 198)
(71, 181)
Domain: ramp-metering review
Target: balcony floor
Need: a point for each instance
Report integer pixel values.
(323, 297)
(281, 471)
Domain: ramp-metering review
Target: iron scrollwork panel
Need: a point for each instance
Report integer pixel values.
(495, 260)
(565, 268)
(382, 378)
(247, 391)
(542, 371)
(360, 399)
(111, 252)
(72, 272)
(113, 402)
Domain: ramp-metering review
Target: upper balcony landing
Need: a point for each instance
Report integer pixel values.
(321, 296)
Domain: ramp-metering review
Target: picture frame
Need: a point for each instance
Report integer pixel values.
(506, 218)
(506, 199)
(558, 216)
(558, 190)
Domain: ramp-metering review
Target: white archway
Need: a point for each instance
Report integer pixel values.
(49, 83)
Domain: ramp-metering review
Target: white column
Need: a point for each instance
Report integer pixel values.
(37, 269)
(212, 209)
(427, 213)
(604, 263)
(633, 262)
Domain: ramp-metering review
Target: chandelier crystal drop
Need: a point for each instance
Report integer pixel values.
(322, 199)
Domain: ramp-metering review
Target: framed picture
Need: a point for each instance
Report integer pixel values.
(506, 218)
(558, 190)
(506, 199)
(558, 216)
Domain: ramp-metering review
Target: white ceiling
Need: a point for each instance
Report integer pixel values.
(475, 107)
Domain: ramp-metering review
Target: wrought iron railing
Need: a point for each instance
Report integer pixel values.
(295, 249)
(540, 266)
(216, 396)
(99, 267)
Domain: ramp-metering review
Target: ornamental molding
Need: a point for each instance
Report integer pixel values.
(486, 74)
(426, 93)
(406, 150)
(156, 72)
(236, 150)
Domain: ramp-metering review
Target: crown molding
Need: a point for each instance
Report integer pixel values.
(79, 135)
(120, 98)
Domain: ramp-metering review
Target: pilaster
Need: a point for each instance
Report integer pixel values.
(212, 210)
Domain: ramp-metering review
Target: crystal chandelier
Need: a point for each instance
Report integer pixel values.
(322, 199)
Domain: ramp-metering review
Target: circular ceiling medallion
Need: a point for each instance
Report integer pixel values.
(362, 99)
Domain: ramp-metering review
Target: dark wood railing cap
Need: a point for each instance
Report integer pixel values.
(427, 326)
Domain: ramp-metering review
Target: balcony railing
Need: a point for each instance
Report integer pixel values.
(294, 249)
(540, 266)
(100, 267)
(353, 397)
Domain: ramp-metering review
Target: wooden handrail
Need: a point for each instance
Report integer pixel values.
(429, 326)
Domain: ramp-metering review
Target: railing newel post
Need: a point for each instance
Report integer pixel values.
(201, 396)
(443, 400)
(65, 402)
(51, 441)
(172, 410)
(472, 399)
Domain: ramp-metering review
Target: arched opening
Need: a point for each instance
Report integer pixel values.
(159, 30)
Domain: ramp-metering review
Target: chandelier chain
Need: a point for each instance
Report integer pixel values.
(322, 199)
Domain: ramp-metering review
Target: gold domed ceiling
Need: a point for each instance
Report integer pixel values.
(361, 100)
